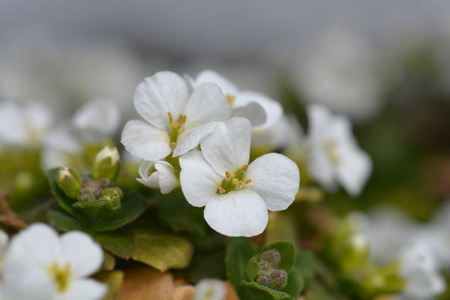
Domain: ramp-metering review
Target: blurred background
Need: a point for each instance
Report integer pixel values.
(383, 63)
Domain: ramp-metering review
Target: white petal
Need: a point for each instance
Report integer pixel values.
(82, 253)
(276, 179)
(42, 244)
(198, 180)
(160, 94)
(3, 242)
(227, 87)
(167, 179)
(237, 213)
(354, 170)
(206, 104)
(321, 168)
(191, 138)
(227, 148)
(39, 117)
(145, 141)
(98, 115)
(149, 176)
(273, 109)
(320, 121)
(64, 139)
(86, 289)
(210, 289)
(13, 130)
(251, 111)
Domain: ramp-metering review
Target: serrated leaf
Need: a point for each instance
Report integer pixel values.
(113, 280)
(287, 253)
(161, 250)
(265, 291)
(239, 252)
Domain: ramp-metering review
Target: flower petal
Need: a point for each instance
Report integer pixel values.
(149, 176)
(191, 138)
(145, 141)
(251, 111)
(160, 94)
(81, 252)
(199, 182)
(158, 175)
(99, 115)
(227, 148)
(86, 289)
(227, 87)
(206, 104)
(273, 109)
(237, 213)
(275, 178)
(13, 129)
(320, 168)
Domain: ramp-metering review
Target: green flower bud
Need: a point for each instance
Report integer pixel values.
(106, 164)
(272, 256)
(69, 180)
(278, 279)
(112, 196)
(263, 279)
(252, 268)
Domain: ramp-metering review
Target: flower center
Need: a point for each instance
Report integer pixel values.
(330, 148)
(230, 99)
(235, 181)
(61, 275)
(175, 128)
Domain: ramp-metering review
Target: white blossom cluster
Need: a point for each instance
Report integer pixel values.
(197, 133)
(37, 264)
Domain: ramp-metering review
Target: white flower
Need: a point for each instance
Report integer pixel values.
(158, 175)
(210, 289)
(237, 195)
(24, 125)
(261, 111)
(39, 265)
(178, 117)
(92, 124)
(419, 268)
(334, 155)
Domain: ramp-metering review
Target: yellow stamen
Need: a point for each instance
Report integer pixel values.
(222, 190)
(170, 117)
(228, 174)
(240, 185)
(245, 168)
(61, 275)
(234, 181)
(247, 181)
(234, 173)
(230, 99)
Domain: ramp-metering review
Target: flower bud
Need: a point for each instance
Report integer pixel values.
(106, 164)
(69, 180)
(264, 279)
(278, 279)
(113, 196)
(272, 256)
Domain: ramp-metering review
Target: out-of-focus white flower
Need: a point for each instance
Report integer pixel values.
(210, 289)
(338, 72)
(178, 117)
(237, 195)
(334, 155)
(92, 124)
(261, 111)
(418, 267)
(158, 175)
(24, 125)
(39, 265)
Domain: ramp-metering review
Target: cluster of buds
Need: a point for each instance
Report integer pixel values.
(264, 270)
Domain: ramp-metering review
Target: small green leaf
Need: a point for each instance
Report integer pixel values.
(252, 268)
(256, 288)
(119, 242)
(113, 280)
(133, 205)
(62, 221)
(239, 252)
(294, 285)
(109, 261)
(287, 252)
(161, 250)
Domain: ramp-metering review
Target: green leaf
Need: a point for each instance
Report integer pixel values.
(259, 291)
(119, 242)
(239, 252)
(252, 268)
(113, 280)
(62, 221)
(109, 261)
(132, 206)
(294, 285)
(305, 265)
(161, 250)
(287, 253)
(201, 266)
